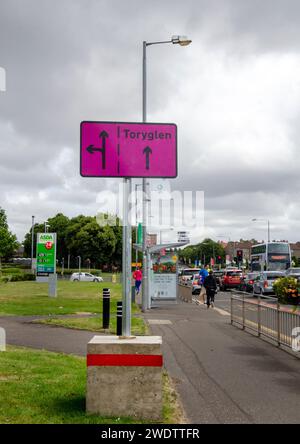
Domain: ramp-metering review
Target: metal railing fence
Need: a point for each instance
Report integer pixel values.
(265, 317)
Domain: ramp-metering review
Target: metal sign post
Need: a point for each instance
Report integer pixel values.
(127, 150)
(145, 282)
(126, 260)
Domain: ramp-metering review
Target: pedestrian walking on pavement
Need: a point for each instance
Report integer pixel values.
(137, 276)
(210, 285)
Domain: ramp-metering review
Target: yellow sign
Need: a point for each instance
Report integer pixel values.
(174, 258)
(136, 264)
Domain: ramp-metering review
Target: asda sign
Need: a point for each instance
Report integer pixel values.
(46, 254)
(47, 237)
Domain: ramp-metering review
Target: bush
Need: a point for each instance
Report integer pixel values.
(22, 277)
(287, 290)
(4, 280)
(10, 270)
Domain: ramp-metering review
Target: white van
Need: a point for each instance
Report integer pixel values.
(186, 275)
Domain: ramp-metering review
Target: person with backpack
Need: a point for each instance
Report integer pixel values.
(210, 285)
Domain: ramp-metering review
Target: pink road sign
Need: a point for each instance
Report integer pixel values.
(118, 149)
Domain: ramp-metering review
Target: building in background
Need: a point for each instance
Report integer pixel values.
(232, 247)
(295, 250)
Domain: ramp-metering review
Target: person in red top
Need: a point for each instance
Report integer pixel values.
(138, 276)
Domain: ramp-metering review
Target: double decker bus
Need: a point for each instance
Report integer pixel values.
(270, 256)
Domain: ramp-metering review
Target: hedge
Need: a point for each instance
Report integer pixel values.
(18, 277)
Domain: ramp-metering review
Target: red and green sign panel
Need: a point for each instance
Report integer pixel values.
(46, 254)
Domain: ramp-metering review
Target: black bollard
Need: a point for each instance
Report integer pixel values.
(106, 307)
(119, 318)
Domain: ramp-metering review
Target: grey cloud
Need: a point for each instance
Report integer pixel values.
(247, 27)
(74, 60)
(218, 180)
(51, 51)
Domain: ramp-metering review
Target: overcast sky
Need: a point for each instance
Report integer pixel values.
(234, 94)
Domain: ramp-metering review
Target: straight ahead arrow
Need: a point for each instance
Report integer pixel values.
(147, 151)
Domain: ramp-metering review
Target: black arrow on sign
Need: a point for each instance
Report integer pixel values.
(92, 149)
(147, 151)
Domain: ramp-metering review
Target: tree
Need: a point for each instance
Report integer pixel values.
(38, 228)
(101, 244)
(3, 219)
(8, 241)
(188, 254)
(203, 251)
(117, 254)
(59, 225)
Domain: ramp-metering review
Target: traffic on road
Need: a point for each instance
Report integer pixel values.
(269, 262)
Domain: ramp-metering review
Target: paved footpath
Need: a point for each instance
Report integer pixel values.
(222, 374)
(20, 331)
(225, 375)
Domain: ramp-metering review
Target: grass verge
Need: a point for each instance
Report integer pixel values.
(31, 298)
(41, 387)
(138, 326)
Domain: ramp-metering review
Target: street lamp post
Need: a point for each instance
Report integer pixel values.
(182, 41)
(79, 266)
(264, 220)
(126, 259)
(32, 240)
(136, 222)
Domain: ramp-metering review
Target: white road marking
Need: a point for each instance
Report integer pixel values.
(222, 312)
(218, 310)
(159, 321)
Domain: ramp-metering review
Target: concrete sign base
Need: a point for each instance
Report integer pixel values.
(124, 377)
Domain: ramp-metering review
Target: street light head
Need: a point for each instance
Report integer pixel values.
(181, 40)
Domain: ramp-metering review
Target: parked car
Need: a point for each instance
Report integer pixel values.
(248, 281)
(186, 275)
(85, 277)
(196, 284)
(293, 272)
(263, 284)
(231, 279)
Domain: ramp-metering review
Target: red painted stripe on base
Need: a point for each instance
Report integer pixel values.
(125, 360)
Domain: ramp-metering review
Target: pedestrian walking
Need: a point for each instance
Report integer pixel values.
(210, 285)
(137, 276)
(203, 273)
